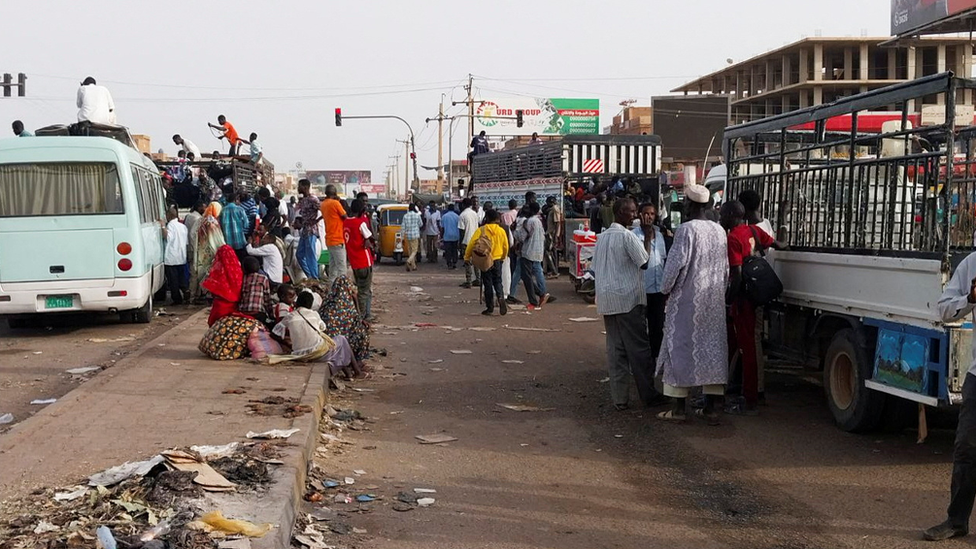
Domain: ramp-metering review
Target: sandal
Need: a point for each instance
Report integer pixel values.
(673, 417)
(365, 375)
(710, 419)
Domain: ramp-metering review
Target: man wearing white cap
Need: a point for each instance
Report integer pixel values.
(695, 350)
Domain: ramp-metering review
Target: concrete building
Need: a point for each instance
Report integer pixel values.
(633, 121)
(819, 70)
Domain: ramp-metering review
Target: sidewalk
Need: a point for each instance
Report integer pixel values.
(166, 394)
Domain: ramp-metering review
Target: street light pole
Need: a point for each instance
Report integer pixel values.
(412, 143)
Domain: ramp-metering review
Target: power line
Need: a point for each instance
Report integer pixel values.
(246, 99)
(610, 79)
(182, 86)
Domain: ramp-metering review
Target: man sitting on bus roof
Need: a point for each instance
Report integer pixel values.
(19, 130)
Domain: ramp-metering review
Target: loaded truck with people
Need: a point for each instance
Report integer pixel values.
(876, 216)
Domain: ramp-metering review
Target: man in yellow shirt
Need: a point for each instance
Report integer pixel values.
(491, 279)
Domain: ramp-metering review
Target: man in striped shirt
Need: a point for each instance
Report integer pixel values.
(618, 260)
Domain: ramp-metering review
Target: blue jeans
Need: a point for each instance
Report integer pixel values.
(306, 256)
(516, 276)
(540, 277)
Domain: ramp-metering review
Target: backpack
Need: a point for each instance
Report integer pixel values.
(481, 256)
(760, 283)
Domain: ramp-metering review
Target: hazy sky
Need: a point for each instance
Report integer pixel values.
(280, 68)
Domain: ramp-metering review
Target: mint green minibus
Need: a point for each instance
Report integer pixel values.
(79, 228)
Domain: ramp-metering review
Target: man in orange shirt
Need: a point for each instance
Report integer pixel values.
(230, 133)
(333, 214)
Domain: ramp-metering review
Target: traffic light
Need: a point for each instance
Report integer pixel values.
(7, 83)
(21, 84)
(338, 116)
(413, 156)
(518, 118)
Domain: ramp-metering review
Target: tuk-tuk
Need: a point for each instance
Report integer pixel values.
(390, 222)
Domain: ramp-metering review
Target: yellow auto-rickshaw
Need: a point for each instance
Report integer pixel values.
(390, 221)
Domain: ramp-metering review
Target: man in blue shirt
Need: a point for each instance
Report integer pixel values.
(450, 234)
(233, 221)
(650, 235)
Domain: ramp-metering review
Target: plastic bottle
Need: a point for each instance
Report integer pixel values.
(155, 532)
(105, 538)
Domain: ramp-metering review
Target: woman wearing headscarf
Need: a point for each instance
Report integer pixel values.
(209, 238)
(224, 283)
(343, 318)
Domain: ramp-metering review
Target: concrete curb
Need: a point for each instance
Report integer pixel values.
(287, 491)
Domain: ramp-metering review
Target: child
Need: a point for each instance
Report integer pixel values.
(255, 291)
(286, 301)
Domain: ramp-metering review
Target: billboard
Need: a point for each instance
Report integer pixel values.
(347, 182)
(908, 15)
(543, 115)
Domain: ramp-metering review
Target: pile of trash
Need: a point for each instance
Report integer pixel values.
(158, 503)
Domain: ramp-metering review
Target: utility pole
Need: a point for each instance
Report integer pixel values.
(406, 164)
(470, 108)
(395, 177)
(440, 147)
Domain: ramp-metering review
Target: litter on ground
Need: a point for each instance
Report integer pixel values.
(583, 319)
(435, 439)
(527, 329)
(115, 475)
(216, 521)
(274, 433)
(82, 371)
(513, 362)
(41, 402)
(116, 340)
(460, 352)
(6, 418)
(524, 408)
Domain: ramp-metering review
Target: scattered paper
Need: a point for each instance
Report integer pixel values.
(207, 477)
(482, 329)
(513, 362)
(117, 474)
(359, 472)
(349, 481)
(275, 433)
(460, 352)
(524, 408)
(425, 491)
(215, 452)
(425, 502)
(82, 371)
(438, 361)
(416, 289)
(116, 340)
(38, 352)
(71, 496)
(6, 418)
(535, 352)
(41, 402)
(604, 380)
(437, 369)
(45, 527)
(583, 319)
(435, 439)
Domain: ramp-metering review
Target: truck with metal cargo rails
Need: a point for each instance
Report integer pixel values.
(876, 219)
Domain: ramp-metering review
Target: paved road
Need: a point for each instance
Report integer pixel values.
(585, 476)
(34, 360)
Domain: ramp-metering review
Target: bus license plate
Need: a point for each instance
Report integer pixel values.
(59, 302)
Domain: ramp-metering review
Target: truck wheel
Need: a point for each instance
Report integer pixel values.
(398, 258)
(846, 366)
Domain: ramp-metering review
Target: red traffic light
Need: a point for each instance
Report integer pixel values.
(338, 113)
(413, 156)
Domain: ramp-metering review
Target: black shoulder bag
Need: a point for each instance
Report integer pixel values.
(759, 280)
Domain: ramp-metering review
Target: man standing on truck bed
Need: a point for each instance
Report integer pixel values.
(956, 304)
(229, 133)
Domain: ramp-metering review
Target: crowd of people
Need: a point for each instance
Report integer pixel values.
(676, 307)
(498, 250)
(272, 292)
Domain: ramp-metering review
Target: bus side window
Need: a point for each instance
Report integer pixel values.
(157, 190)
(140, 196)
(152, 198)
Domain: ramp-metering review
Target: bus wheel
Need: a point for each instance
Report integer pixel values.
(16, 322)
(142, 315)
(846, 366)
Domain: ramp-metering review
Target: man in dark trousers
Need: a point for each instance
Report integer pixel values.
(957, 304)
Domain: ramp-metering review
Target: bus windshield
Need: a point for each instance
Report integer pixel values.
(59, 188)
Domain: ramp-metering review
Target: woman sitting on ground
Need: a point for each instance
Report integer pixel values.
(304, 330)
(224, 283)
(342, 317)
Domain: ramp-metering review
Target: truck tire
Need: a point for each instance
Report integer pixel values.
(846, 366)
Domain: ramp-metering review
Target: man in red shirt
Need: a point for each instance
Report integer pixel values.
(744, 240)
(359, 244)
